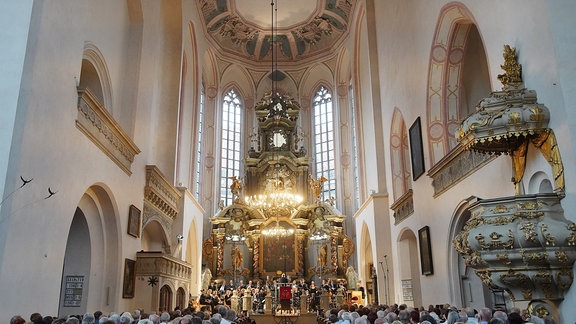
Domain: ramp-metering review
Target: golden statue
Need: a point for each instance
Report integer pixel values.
(237, 259)
(323, 255)
(316, 185)
(236, 188)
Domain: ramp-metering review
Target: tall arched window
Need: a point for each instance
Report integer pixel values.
(199, 145)
(354, 146)
(230, 143)
(324, 141)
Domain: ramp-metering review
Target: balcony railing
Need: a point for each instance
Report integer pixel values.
(160, 194)
(162, 265)
(101, 128)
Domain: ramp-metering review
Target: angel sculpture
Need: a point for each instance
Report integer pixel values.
(316, 185)
(236, 188)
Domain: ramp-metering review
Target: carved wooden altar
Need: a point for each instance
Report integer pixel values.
(276, 167)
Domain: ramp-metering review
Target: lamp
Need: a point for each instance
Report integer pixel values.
(235, 237)
(319, 236)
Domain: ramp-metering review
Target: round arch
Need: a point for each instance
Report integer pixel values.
(400, 158)
(409, 266)
(366, 255)
(444, 78)
(94, 233)
(155, 237)
(100, 83)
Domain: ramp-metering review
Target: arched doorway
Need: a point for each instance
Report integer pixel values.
(181, 298)
(466, 287)
(89, 273)
(165, 298)
(409, 267)
(76, 274)
(365, 269)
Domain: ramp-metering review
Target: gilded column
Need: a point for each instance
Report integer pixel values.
(256, 256)
(334, 252)
(300, 254)
(220, 258)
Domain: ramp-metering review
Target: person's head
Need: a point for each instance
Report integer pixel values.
(97, 314)
(415, 316)
(501, 315)
(72, 320)
(154, 318)
(452, 317)
(428, 318)
(485, 314)
(515, 318)
(35, 317)
(136, 314)
(88, 318)
(17, 319)
(231, 315)
(164, 317)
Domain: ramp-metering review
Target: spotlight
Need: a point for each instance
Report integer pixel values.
(180, 237)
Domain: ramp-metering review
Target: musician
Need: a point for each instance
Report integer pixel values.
(314, 297)
(213, 285)
(283, 279)
(206, 298)
(302, 285)
(241, 285)
(228, 298)
(230, 285)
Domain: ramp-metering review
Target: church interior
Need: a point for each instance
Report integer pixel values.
(421, 150)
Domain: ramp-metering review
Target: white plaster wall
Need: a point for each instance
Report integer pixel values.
(57, 155)
(14, 26)
(405, 30)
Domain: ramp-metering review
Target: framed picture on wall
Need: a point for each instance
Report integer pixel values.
(134, 216)
(129, 278)
(416, 149)
(425, 251)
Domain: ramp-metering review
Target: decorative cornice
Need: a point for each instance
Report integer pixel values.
(160, 193)
(98, 124)
(455, 167)
(403, 207)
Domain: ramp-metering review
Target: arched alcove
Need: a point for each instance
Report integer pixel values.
(466, 288)
(94, 75)
(399, 156)
(540, 183)
(92, 255)
(154, 238)
(457, 78)
(409, 268)
(366, 262)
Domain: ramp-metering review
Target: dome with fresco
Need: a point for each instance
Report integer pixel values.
(304, 29)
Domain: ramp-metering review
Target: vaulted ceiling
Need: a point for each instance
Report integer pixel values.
(303, 28)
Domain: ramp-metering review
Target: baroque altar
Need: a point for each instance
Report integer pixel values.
(278, 223)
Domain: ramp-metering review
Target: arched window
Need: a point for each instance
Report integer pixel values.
(458, 77)
(165, 298)
(354, 146)
(324, 141)
(230, 143)
(199, 145)
(399, 156)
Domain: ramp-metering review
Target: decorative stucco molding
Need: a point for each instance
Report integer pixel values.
(98, 124)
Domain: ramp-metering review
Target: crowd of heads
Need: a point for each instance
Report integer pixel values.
(190, 315)
(403, 314)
